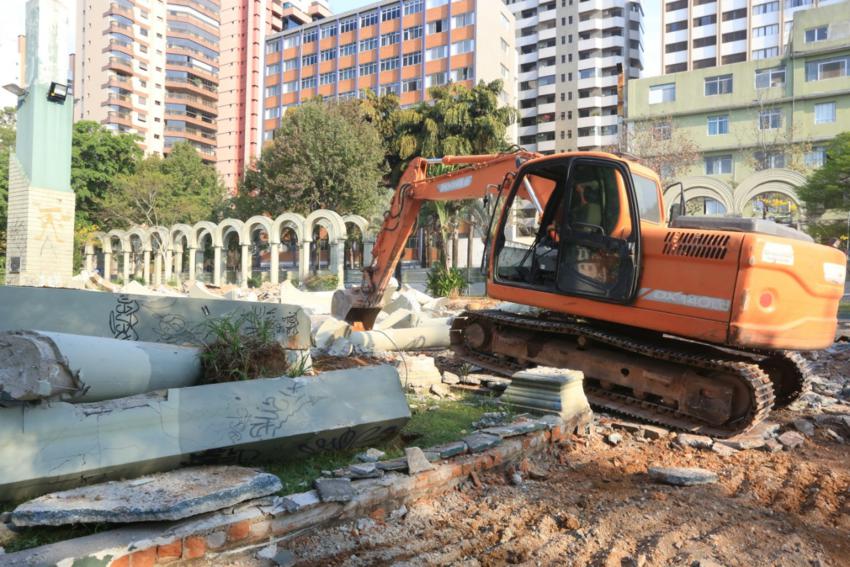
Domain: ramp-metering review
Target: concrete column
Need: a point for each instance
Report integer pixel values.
(125, 273)
(217, 265)
(157, 269)
(146, 267)
(177, 260)
(193, 258)
(367, 252)
(107, 265)
(339, 258)
(304, 261)
(169, 264)
(88, 263)
(246, 265)
(274, 264)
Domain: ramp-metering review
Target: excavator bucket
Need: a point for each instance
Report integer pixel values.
(353, 306)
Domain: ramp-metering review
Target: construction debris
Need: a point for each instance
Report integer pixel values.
(549, 390)
(165, 496)
(416, 460)
(682, 476)
(422, 337)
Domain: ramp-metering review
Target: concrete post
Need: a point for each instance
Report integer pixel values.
(304, 261)
(146, 267)
(367, 251)
(107, 266)
(157, 269)
(169, 264)
(274, 264)
(88, 263)
(125, 272)
(246, 265)
(217, 265)
(339, 258)
(177, 260)
(193, 257)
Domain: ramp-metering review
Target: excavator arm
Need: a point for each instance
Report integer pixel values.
(483, 174)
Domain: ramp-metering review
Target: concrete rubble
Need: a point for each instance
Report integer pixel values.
(548, 390)
(59, 444)
(169, 496)
(682, 476)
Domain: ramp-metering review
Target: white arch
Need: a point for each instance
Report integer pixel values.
(357, 221)
(263, 221)
(143, 236)
(105, 244)
(164, 237)
(335, 224)
(122, 237)
(784, 181)
(201, 226)
(702, 186)
(185, 230)
(291, 220)
(226, 226)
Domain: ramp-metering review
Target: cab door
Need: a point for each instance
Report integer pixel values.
(599, 254)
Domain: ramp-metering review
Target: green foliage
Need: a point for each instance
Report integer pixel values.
(321, 282)
(325, 155)
(824, 231)
(243, 348)
(829, 186)
(7, 144)
(445, 282)
(98, 157)
(179, 188)
(255, 281)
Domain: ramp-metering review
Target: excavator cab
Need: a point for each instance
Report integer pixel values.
(569, 226)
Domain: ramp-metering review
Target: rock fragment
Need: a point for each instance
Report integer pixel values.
(694, 441)
(417, 462)
(370, 455)
(614, 439)
(791, 439)
(682, 476)
(334, 489)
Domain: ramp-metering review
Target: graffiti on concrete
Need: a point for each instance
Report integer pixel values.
(269, 417)
(351, 437)
(123, 319)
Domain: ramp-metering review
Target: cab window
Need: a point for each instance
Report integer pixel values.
(647, 198)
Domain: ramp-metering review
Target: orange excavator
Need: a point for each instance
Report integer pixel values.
(691, 322)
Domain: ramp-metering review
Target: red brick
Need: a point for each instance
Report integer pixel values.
(123, 561)
(378, 514)
(169, 551)
(194, 547)
(238, 531)
(143, 558)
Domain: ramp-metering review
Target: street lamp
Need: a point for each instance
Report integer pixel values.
(57, 92)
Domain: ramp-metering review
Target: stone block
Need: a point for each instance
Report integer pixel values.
(682, 476)
(416, 460)
(448, 450)
(693, 441)
(399, 319)
(548, 390)
(479, 442)
(334, 489)
(418, 371)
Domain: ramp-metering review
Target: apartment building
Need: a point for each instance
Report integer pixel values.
(402, 47)
(571, 54)
(760, 124)
(244, 28)
(706, 33)
(150, 67)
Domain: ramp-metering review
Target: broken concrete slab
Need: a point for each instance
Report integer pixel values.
(791, 439)
(421, 297)
(318, 302)
(548, 390)
(55, 446)
(172, 320)
(448, 450)
(341, 347)
(682, 476)
(478, 442)
(693, 441)
(399, 319)
(334, 489)
(329, 331)
(422, 337)
(416, 461)
(292, 503)
(364, 470)
(370, 455)
(402, 300)
(79, 368)
(450, 378)
(418, 371)
(165, 496)
(514, 429)
(197, 290)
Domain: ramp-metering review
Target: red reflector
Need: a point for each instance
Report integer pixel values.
(766, 299)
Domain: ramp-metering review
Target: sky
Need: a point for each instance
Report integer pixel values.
(13, 20)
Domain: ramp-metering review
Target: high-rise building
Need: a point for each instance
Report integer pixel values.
(571, 55)
(400, 47)
(244, 27)
(150, 68)
(707, 33)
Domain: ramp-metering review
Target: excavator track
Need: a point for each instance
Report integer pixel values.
(790, 374)
(745, 375)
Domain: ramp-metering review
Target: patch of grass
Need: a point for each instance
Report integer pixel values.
(243, 347)
(27, 538)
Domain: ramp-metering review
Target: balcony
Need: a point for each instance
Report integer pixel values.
(115, 8)
(191, 100)
(193, 118)
(195, 134)
(121, 118)
(118, 63)
(123, 100)
(120, 81)
(195, 86)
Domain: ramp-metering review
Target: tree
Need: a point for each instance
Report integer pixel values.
(7, 142)
(662, 147)
(179, 188)
(325, 155)
(829, 186)
(99, 157)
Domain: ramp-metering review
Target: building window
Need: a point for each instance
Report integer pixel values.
(369, 19)
(462, 74)
(327, 78)
(290, 87)
(438, 52)
(816, 157)
(789, 4)
(390, 38)
(435, 3)
(763, 31)
(464, 46)
(826, 69)
(766, 78)
(273, 90)
(307, 60)
(734, 14)
(368, 68)
(677, 26)
(347, 25)
(705, 41)
(770, 119)
(765, 53)
(391, 13)
(463, 20)
(765, 8)
(739, 35)
(675, 47)
(273, 47)
(391, 88)
(272, 69)
(412, 7)
(662, 93)
(824, 113)
(270, 113)
(718, 125)
(410, 86)
(291, 41)
(414, 32)
(347, 73)
(505, 72)
(662, 131)
(348, 49)
(327, 54)
(311, 35)
(436, 79)
(718, 165)
(770, 159)
(369, 44)
(437, 26)
(705, 20)
(329, 31)
(308, 82)
(389, 64)
(717, 85)
(816, 34)
(411, 58)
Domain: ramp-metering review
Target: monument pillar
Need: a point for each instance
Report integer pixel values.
(40, 229)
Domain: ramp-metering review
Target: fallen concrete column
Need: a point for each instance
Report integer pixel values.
(199, 291)
(317, 302)
(60, 445)
(43, 365)
(425, 336)
(549, 390)
(399, 319)
(156, 319)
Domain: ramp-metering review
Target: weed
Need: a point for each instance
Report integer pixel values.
(255, 281)
(445, 282)
(243, 347)
(299, 368)
(326, 282)
(172, 282)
